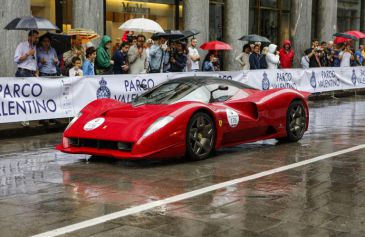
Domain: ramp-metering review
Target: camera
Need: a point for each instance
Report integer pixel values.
(318, 49)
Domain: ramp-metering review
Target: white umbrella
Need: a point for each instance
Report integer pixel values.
(141, 25)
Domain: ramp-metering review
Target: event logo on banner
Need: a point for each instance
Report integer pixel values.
(353, 77)
(265, 82)
(359, 80)
(103, 91)
(313, 80)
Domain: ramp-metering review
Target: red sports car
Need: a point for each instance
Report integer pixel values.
(190, 117)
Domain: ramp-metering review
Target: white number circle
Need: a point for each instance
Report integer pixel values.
(232, 117)
(95, 123)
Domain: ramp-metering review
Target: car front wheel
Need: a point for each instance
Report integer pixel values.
(200, 136)
(296, 121)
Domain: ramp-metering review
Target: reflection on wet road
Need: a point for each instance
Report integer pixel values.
(42, 189)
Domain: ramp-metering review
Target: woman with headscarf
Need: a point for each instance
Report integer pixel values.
(272, 57)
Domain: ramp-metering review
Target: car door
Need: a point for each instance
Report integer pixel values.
(241, 116)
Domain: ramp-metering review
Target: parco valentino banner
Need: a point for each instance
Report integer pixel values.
(24, 99)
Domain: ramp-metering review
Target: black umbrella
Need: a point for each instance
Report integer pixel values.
(168, 34)
(255, 38)
(30, 23)
(60, 42)
(190, 33)
(344, 35)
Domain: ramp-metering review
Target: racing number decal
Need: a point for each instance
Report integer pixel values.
(95, 123)
(232, 117)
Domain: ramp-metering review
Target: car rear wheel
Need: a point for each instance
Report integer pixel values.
(200, 136)
(296, 121)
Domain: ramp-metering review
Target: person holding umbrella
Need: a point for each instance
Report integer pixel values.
(208, 63)
(26, 56)
(47, 57)
(137, 56)
(214, 47)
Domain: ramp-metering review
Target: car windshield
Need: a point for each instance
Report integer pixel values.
(174, 92)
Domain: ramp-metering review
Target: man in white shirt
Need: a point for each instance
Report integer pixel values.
(346, 56)
(26, 56)
(193, 57)
(137, 56)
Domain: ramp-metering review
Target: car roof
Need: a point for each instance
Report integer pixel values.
(204, 80)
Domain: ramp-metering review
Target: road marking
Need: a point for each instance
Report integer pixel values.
(184, 196)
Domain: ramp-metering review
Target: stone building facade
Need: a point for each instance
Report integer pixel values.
(226, 20)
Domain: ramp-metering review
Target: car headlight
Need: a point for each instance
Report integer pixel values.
(158, 124)
(74, 120)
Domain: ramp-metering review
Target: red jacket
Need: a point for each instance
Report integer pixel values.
(286, 58)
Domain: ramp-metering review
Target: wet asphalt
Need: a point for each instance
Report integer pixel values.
(42, 189)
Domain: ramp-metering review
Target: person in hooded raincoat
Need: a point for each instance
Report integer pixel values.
(286, 55)
(103, 63)
(272, 57)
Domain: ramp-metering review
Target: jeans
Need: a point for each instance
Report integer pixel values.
(24, 73)
(42, 74)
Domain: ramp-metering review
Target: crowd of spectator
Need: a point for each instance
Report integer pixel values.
(134, 54)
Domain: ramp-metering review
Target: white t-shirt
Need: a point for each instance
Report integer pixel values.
(193, 65)
(346, 59)
(74, 73)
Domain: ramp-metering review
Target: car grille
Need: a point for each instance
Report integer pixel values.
(100, 144)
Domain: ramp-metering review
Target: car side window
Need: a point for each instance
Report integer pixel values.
(222, 95)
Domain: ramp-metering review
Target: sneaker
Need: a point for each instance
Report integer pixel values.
(25, 123)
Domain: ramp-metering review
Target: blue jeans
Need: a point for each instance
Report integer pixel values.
(21, 72)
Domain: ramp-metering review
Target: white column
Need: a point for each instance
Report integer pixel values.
(196, 17)
(88, 14)
(236, 14)
(300, 27)
(327, 19)
(11, 38)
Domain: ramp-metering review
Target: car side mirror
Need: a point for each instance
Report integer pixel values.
(223, 87)
(219, 88)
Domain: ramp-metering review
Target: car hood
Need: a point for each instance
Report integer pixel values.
(123, 122)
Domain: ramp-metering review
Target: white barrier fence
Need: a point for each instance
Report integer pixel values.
(46, 98)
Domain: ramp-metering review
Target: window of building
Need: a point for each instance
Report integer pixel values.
(348, 15)
(44, 8)
(270, 18)
(216, 10)
(163, 12)
(59, 12)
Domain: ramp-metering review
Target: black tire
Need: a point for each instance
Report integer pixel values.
(200, 136)
(296, 122)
